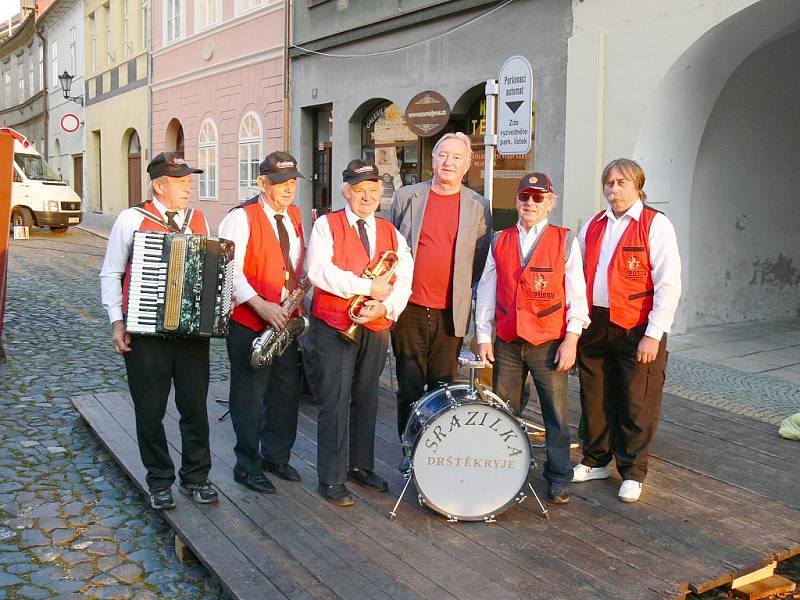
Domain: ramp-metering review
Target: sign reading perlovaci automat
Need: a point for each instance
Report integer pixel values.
(514, 114)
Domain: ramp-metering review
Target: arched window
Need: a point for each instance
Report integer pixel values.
(250, 141)
(207, 159)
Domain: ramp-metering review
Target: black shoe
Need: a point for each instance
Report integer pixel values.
(282, 470)
(368, 479)
(162, 499)
(202, 493)
(558, 493)
(257, 483)
(336, 494)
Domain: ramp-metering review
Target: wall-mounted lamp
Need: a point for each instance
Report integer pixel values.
(66, 85)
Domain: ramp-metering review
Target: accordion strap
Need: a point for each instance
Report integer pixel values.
(148, 215)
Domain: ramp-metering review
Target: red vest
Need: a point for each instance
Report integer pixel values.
(349, 255)
(630, 284)
(531, 300)
(197, 224)
(263, 260)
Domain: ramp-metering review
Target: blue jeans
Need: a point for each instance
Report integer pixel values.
(512, 363)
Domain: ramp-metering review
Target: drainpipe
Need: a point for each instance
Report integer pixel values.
(287, 17)
(44, 93)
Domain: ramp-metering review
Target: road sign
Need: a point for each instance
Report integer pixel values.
(514, 114)
(70, 122)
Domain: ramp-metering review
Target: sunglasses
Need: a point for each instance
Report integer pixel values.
(537, 197)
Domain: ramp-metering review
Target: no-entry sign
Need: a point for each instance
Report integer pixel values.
(514, 114)
(70, 122)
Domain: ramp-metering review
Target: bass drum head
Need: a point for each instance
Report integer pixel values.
(471, 461)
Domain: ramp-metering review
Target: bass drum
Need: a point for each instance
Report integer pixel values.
(470, 459)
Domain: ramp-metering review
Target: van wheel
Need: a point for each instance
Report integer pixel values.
(59, 229)
(21, 217)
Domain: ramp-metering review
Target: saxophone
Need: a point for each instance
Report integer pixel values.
(387, 265)
(273, 342)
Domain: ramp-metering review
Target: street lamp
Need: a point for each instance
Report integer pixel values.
(66, 85)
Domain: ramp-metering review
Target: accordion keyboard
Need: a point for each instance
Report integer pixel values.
(148, 281)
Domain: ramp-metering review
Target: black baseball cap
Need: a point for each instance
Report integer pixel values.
(360, 170)
(279, 167)
(534, 182)
(170, 164)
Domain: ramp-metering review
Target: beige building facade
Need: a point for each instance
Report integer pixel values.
(116, 39)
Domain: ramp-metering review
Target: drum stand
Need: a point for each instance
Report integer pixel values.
(471, 360)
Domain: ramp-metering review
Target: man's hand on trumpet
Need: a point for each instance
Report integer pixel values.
(371, 310)
(381, 288)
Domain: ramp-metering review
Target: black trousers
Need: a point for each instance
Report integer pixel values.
(620, 397)
(344, 379)
(426, 354)
(263, 402)
(153, 365)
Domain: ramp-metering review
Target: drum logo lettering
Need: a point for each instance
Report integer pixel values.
(475, 418)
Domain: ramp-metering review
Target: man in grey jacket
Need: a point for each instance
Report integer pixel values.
(449, 230)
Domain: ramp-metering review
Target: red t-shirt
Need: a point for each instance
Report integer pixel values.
(433, 264)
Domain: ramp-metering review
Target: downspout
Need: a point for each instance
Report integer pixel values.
(44, 94)
(286, 43)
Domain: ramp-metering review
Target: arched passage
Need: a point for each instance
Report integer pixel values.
(173, 139)
(697, 142)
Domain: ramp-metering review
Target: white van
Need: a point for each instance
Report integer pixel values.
(39, 198)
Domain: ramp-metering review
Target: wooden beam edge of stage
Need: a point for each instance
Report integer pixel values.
(239, 577)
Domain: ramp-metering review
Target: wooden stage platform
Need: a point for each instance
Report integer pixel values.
(722, 500)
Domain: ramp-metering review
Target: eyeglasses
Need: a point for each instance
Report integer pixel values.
(537, 197)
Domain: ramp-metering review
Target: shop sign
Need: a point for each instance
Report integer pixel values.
(427, 113)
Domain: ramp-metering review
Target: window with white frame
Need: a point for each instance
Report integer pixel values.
(207, 157)
(206, 14)
(20, 78)
(94, 42)
(73, 50)
(145, 23)
(31, 86)
(125, 28)
(172, 26)
(249, 155)
(243, 6)
(41, 67)
(7, 83)
(109, 46)
(54, 64)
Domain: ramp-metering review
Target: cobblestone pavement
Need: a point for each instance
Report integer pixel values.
(71, 523)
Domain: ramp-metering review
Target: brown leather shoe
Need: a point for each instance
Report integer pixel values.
(338, 495)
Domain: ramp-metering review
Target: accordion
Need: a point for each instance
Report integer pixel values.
(180, 284)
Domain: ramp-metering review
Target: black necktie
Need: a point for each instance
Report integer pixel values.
(283, 238)
(362, 233)
(171, 223)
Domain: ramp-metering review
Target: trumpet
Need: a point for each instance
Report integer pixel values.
(387, 265)
(271, 343)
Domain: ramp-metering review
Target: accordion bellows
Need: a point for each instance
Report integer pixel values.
(180, 284)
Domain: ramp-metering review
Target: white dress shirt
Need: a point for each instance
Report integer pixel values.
(118, 253)
(236, 227)
(665, 264)
(574, 287)
(345, 284)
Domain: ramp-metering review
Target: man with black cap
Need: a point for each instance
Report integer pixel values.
(345, 375)
(268, 264)
(532, 290)
(153, 363)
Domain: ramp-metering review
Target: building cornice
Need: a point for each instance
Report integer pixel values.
(23, 105)
(392, 23)
(212, 31)
(20, 37)
(222, 67)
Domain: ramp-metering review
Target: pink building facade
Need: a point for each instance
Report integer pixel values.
(217, 92)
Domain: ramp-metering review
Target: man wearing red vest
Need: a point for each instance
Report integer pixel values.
(155, 363)
(633, 282)
(449, 229)
(345, 375)
(533, 290)
(268, 264)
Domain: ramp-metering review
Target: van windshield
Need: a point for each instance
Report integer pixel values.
(34, 167)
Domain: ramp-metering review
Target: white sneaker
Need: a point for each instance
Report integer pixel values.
(630, 490)
(581, 472)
